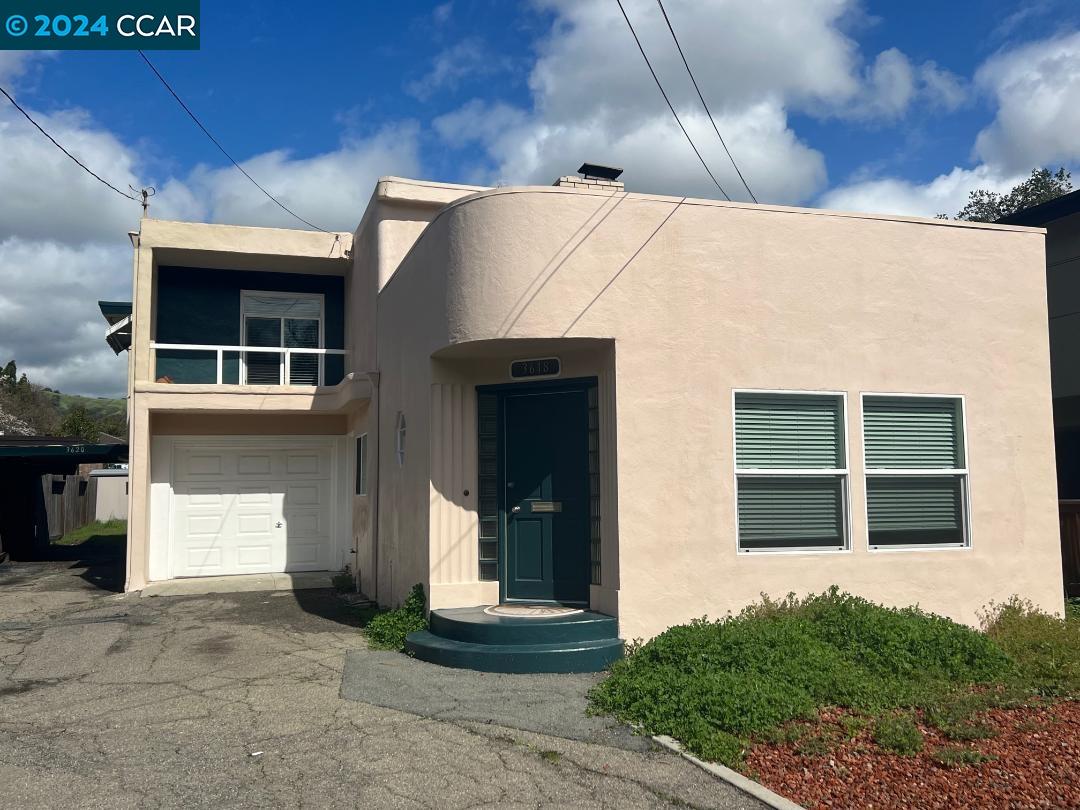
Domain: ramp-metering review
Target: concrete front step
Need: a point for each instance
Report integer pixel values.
(569, 656)
(473, 625)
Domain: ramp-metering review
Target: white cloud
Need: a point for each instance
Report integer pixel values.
(441, 13)
(945, 194)
(892, 85)
(15, 65)
(593, 98)
(1037, 90)
(942, 88)
(740, 52)
(47, 196)
(469, 57)
(330, 190)
(51, 325)
(1036, 87)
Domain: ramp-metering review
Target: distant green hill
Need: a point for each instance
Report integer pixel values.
(98, 408)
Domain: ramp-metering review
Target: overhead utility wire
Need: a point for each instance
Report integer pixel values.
(670, 106)
(55, 143)
(703, 104)
(214, 140)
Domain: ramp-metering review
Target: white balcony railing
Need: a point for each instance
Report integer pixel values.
(257, 364)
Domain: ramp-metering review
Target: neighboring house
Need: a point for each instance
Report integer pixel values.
(654, 407)
(1061, 219)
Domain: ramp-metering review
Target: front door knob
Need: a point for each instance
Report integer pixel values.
(515, 509)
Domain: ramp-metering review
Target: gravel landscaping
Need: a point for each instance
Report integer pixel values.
(1030, 761)
(833, 701)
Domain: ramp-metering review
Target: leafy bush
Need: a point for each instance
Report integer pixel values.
(712, 684)
(899, 734)
(387, 630)
(1046, 649)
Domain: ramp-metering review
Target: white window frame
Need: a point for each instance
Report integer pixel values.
(400, 429)
(287, 296)
(886, 472)
(843, 473)
(361, 449)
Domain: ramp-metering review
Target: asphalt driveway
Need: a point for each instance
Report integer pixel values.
(111, 700)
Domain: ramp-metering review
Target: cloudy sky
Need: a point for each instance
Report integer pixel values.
(873, 106)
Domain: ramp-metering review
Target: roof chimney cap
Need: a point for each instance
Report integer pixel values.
(602, 172)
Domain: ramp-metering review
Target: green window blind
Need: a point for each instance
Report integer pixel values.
(911, 433)
(915, 509)
(914, 433)
(795, 512)
(791, 432)
(788, 431)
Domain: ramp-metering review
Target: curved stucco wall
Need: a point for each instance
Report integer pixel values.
(703, 298)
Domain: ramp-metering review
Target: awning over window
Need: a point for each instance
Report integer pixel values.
(118, 314)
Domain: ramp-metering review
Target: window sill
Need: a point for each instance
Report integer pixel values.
(755, 552)
(937, 547)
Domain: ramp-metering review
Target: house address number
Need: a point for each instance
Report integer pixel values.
(542, 367)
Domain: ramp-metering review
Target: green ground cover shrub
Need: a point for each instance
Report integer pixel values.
(1046, 649)
(714, 684)
(955, 757)
(899, 734)
(387, 630)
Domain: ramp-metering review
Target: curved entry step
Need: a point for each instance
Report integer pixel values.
(471, 638)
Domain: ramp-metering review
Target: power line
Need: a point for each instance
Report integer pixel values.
(214, 140)
(670, 106)
(703, 104)
(55, 143)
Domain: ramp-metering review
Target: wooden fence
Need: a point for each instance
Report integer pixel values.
(1069, 512)
(70, 502)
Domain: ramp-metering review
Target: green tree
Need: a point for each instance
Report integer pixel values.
(77, 422)
(7, 376)
(989, 206)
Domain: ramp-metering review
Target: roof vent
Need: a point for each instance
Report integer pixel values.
(594, 177)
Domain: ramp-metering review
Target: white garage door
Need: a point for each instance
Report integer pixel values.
(250, 510)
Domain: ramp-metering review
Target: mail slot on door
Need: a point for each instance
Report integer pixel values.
(546, 506)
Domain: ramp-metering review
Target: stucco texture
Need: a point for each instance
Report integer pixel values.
(699, 299)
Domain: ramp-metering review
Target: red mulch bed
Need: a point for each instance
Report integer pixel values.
(1037, 764)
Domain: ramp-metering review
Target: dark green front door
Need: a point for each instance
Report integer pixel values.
(545, 441)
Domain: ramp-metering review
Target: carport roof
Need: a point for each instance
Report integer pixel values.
(63, 451)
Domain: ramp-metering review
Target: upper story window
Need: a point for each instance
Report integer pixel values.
(283, 321)
(791, 471)
(916, 471)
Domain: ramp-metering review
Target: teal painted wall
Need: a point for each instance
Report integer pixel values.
(196, 305)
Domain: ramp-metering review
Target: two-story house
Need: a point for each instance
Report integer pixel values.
(645, 407)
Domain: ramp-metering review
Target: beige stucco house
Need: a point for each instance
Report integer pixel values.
(651, 407)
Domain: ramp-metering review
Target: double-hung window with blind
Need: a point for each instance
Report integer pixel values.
(281, 321)
(916, 471)
(791, 471)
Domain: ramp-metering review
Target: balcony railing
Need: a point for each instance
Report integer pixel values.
(202, 363)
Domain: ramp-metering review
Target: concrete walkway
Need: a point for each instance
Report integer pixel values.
(546, 704)
(243, 583)
(233, 700)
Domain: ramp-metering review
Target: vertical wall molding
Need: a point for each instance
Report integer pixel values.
(454, 557)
